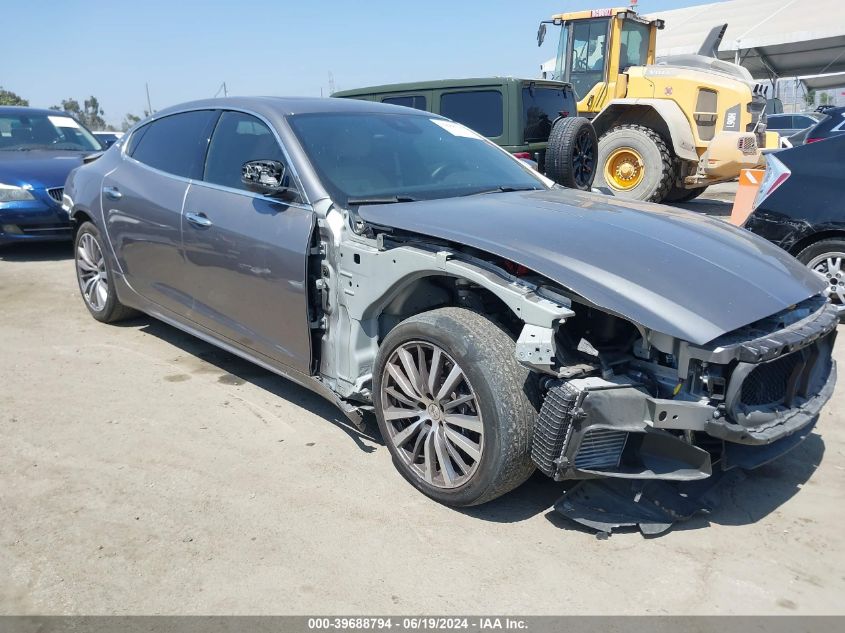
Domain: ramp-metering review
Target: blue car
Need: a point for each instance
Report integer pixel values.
(38, 149)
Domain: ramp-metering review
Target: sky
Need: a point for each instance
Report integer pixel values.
(185, 49)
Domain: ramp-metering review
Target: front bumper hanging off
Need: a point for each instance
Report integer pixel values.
(612, 430)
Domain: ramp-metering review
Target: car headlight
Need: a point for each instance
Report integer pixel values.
(9, 193)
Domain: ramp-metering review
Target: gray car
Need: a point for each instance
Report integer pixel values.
(397, 262)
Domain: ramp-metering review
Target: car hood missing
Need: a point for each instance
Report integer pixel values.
(676, 272)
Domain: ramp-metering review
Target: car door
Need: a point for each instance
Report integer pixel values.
(246, 253)
(142, 204)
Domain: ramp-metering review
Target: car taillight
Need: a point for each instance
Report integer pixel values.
(523, 155)
(776, 174)
(813, 140)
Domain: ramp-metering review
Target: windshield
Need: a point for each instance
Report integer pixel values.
(385, 156)
(587, 55)
(44, 131)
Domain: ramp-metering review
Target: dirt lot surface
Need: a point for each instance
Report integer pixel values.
(142, 471)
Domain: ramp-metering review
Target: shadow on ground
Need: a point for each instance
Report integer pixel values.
(236, 370)
(36, 252)
(707, 206)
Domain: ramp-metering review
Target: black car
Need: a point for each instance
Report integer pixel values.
(800, 208)
(832, 125)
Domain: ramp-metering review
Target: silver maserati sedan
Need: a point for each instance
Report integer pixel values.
(396, 262)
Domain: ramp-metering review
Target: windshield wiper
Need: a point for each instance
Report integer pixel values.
(380, 200)
(503, 189)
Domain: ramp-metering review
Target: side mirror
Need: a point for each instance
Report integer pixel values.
(265, 177)
(541, 33)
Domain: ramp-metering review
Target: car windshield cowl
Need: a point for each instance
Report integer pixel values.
(379, 200)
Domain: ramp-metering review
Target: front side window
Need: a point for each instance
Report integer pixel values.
(175, 144)
(409, 101)
(633, 50)
(237, 139)
(45, 132)
(779, 123)
(589, 40)
(479, 110)
(378, 155)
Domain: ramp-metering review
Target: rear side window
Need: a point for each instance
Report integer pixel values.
(479, 110)
(237, 139)
(176, 143)
(409, 101)
(779, 123)
(540, 108)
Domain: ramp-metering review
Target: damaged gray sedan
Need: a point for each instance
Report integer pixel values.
(395, 261)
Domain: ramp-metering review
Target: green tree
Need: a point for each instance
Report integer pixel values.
(810, 97)
(9, 98)
(129, 120)
(824, 99)
(90, 114)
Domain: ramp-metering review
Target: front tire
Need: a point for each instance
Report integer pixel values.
(635, 163)
(826, 258)
(95, 278)
(455, 408)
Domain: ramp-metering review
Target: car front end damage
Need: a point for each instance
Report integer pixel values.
(642, 407)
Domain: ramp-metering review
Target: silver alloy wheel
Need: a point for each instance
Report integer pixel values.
(828, 266)
(432, 415)
(91, 272)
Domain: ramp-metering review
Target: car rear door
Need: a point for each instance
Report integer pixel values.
(245, 253)
(142, 204)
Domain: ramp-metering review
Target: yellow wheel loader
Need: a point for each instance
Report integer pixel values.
(666, 129)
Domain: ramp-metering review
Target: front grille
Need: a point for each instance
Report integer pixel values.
(747, 145)
(767, 383)
(600, 448)
(56, 193)
(554, 427)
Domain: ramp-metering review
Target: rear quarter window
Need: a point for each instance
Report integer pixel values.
(479, 110)
(174, 144)
(418, 102)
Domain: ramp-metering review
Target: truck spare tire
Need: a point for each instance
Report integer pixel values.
(572, 153)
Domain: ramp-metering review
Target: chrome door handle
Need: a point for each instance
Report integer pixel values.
(112, 192)
(199, 220)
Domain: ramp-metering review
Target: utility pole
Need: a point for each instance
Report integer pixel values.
(149, 107)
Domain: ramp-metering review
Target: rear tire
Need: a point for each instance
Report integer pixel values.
(485, 450)
(572, 153)
(95, 278)
(635, 163)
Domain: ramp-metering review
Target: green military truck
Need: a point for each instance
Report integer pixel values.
(533, 119)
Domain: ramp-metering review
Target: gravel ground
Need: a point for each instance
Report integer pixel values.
(143, 471)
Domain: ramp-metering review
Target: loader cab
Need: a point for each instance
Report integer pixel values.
(596, 48)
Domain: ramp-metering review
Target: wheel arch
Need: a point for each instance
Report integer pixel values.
(813, 238)
(663, 116)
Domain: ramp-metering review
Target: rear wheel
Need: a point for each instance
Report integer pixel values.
(826, 258)
(572, 153)
(635, 163)
(96, 282)
(454, 407)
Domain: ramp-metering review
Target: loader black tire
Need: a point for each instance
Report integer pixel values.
(657, 162)
(678, 194)
(572, 153)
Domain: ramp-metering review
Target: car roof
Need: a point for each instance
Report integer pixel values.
(272, 107)
(440, 84)
(24, 110)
